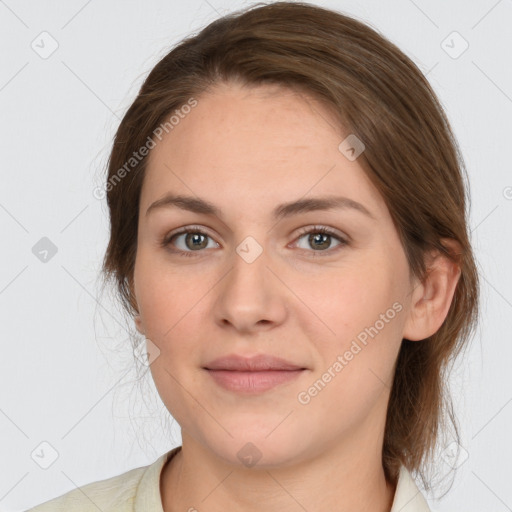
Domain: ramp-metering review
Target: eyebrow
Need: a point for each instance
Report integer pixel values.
(201, 206)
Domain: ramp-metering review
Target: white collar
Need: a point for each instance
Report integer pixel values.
(408, 497)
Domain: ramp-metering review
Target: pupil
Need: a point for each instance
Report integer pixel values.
(196, 242)
(319, 237)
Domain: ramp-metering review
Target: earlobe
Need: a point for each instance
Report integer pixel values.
(133, 300)
(414, 327)
(431, 298)
(138, 324)
(135, 306)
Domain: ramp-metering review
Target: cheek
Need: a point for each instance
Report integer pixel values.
(172, 312)
(341, 303)
(356, 313)
(166, 294)
(356, 329)
(174, 306)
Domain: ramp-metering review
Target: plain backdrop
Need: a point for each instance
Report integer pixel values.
(69, 399)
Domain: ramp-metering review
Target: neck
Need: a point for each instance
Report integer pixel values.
(344, 478)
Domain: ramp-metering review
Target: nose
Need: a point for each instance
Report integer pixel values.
(251, 297)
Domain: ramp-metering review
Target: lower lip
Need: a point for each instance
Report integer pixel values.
(252, 382)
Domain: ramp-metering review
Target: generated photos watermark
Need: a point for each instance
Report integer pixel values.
(304, 397)
(137, 156)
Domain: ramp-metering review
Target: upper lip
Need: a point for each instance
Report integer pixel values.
(260, 362)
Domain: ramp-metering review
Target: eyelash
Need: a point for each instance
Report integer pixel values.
(305, 231)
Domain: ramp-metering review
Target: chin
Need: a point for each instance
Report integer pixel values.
(253, 448)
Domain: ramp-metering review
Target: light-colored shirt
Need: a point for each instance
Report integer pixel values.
(138, 490)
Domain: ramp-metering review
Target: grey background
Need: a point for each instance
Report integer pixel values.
(66, 376)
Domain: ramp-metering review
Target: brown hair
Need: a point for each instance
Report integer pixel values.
(411, 156)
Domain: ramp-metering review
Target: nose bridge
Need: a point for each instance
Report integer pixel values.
(250, 293)
(249, 274)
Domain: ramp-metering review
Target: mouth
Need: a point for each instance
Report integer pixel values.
(254, 374)
(253, 381)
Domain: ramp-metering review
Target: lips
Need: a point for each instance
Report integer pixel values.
(252, 375)
(257, 363)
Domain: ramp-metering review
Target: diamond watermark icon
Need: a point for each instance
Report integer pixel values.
(44, 250)
(44, 455)
(146, 352)
(450, 455)
(249, 249)
(351, 147)
(249, 455)
(454, 45)
(45, 45)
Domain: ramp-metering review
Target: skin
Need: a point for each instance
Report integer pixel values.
(246, 150)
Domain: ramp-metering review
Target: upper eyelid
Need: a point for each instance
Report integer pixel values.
(320, 227)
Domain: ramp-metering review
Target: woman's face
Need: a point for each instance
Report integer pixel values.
(260, 278)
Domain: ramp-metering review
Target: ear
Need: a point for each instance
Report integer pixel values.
(138, 324)
(432, 297)
(133, 302)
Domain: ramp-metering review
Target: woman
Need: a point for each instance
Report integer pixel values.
(289, 232)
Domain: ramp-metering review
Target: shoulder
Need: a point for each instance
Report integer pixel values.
(116, 493)
(120, 493)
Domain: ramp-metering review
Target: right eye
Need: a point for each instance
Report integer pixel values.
(193, 241)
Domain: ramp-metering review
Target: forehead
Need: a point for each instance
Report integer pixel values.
(266, 143)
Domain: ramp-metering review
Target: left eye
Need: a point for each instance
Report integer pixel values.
(320, 238)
